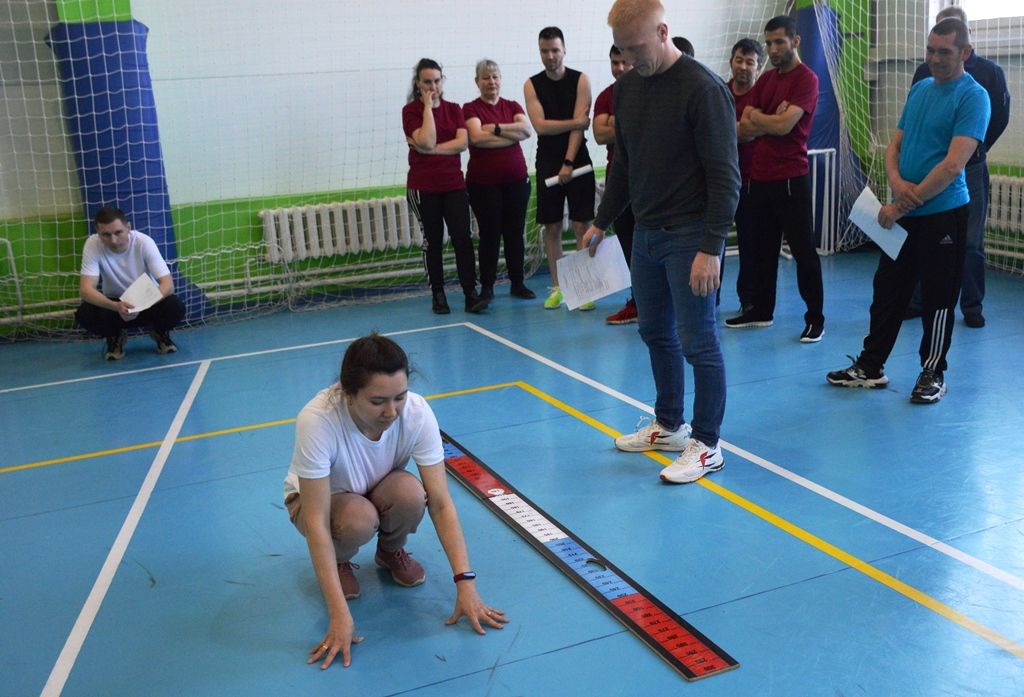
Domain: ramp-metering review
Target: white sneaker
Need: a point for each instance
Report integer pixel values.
(694, 462)
(653, 436)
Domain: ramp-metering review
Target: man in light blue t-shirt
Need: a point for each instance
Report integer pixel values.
(942, 123)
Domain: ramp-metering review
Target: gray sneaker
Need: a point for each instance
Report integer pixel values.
(163, 342)
(115, 347)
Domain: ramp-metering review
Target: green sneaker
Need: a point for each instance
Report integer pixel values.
(587, 306)
(554, 300)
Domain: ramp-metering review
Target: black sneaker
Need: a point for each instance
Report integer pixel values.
(115, 347)
(857, 376)
(474, 303)
(748, 319)
(163, 342)
(439, 303)
(930, 387)
(812, 333)
(974, 320)
(519, 290)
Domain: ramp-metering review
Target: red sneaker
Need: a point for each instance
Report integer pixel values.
(404, 569)
(349, 582)
(627, 315)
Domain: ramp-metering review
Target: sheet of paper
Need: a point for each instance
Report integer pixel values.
(583, 278)
(864, 215)
(578, 172)
(142, 294)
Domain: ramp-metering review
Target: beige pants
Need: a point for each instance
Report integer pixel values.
(392, 510)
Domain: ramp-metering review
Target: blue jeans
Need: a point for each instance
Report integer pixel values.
(675, 323)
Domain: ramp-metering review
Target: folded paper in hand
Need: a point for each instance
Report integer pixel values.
(142, 294)
(864, 215)
(584, 279)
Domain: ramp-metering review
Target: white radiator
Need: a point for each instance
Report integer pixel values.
(330, 229)
(1006, 204)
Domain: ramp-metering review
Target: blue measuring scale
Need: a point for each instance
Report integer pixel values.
(674, 639)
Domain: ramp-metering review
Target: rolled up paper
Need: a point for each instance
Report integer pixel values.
(578, 172)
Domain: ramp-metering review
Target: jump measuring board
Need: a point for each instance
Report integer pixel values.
(666, 633)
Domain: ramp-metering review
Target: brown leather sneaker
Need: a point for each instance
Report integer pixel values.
(349, 582)
(404, 569)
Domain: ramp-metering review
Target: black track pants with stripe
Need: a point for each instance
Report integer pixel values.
(933, 254)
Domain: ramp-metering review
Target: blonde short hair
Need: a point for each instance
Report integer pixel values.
(625, 12)
(487, 66)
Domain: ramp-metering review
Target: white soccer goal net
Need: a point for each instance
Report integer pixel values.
(260, 142)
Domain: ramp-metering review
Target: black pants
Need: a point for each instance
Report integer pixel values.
(745, 226)
(163, 317)
(783, 209)
(500, 212)
(434, 211)
(934, 255)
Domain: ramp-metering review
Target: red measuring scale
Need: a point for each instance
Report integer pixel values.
(678, 642)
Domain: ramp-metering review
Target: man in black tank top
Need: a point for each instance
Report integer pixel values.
(558, 103)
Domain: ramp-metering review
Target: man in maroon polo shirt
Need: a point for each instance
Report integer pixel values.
(779, 119)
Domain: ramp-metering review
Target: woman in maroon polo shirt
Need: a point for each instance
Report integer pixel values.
(436, 133)
(499, 189)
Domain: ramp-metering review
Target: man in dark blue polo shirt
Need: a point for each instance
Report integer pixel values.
(990, 76)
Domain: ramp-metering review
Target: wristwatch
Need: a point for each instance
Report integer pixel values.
(497, 129)
(464, 576)
(567, 162)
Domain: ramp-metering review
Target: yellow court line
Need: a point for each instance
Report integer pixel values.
(474, 390)
(211, 434)
(872, 572)
(143, 446)
(796, 531)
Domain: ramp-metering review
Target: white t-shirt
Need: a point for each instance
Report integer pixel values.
(118, 271)
(328, 443)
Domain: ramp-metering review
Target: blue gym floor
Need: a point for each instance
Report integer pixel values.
(854, 544)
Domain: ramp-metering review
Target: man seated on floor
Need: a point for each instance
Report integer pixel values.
(117, 256)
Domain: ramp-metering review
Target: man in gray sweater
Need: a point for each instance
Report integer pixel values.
(676, 136)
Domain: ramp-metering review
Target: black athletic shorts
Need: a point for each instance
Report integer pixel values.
(579, 192)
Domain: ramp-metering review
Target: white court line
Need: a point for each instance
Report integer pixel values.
(69, 654)
(827, 493)
(230, 357)
(896, 526)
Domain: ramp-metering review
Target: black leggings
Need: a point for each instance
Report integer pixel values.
(434, 210)
(500, 212)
